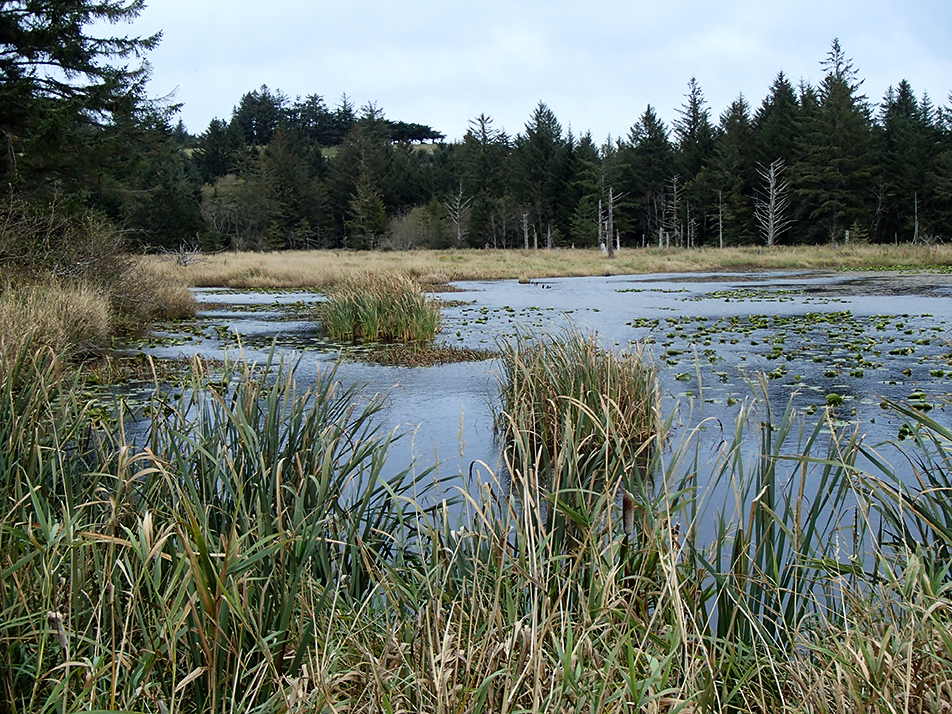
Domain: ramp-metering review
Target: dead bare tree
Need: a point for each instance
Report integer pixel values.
(457, 210)
(610, 237)
(771, 209)
(673, 217)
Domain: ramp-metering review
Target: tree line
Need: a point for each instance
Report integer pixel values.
(808, 164)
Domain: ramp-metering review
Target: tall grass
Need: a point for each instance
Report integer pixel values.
(254, 550)
(379, 308)
(68, 282)
(190, 574)
(67, 318)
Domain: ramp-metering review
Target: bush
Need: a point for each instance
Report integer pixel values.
(78, 262)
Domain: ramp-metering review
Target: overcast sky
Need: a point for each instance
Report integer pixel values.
(596, 64)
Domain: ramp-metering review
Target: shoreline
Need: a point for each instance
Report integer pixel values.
(323, 268)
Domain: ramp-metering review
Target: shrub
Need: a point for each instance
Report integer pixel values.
(146, 292)
(50, 253)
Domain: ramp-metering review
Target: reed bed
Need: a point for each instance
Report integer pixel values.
(415, 354)
(255, 550)
(569, 381)
(323, 268)
(379, 308)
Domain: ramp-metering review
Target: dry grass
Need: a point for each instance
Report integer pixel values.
(67, 318)
(320, 269)
(77, 316)
(151, 291)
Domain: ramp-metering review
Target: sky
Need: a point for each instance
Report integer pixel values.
(596, 64)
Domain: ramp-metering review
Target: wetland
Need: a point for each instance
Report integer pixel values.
(835, 345)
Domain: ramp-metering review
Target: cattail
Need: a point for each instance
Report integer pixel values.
(627, 512)
(55, 620)
(147, 529)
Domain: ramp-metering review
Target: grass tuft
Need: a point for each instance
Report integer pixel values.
(379, 308)
(552, 385)
(68, 318)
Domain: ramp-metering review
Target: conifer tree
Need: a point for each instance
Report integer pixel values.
(775, 123)
(695, 140)
(732, 172)
(63, 89)
(907, 138)
(644, 163)
(540, 167)
(835, 173)
(482, 164)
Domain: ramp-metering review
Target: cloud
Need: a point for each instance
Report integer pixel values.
(596, 64)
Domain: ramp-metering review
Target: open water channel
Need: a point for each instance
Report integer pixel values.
(814, 337)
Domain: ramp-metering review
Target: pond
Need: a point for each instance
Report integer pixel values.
(847, 339)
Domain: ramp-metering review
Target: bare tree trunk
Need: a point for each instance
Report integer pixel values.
(456, 209)
(720, 217)
(915, 230)
(687, 227)
(611, 222)
(601, 224)
(674, 209)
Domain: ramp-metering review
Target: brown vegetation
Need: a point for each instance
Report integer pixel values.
(68, 284)
(299, 269)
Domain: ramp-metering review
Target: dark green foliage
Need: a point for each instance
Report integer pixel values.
(61, 87)
(644, 165)
(259, 114)
(540, 173)
(481, 158)
(733, 174)
(834, 178)
(293, 173)
(883, 178)
(775, 123)
(219, 150)
(588, 187)
(907, 136)
(694, 132)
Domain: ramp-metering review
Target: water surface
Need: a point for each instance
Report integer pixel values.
(862, 337)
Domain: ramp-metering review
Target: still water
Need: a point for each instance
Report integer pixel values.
(854, 339)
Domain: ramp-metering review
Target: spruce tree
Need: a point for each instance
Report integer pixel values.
(732, 173)
(834, 177)
(775, 123)
(644, 164)
(907, 141)
(64, 89)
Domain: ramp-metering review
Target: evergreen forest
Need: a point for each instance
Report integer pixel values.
(806, 164)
